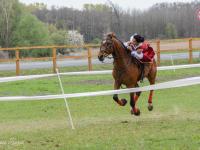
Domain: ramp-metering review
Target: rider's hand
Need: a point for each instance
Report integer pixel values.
(129, 48)
(139, 51)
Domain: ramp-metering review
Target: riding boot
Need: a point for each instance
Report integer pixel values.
(142, 73)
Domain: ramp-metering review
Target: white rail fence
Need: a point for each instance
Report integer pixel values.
(164, 85)
(18, 78)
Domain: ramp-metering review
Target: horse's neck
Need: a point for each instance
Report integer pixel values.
(121, 58)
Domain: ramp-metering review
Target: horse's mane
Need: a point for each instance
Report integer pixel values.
(112, 35)
(123, 45)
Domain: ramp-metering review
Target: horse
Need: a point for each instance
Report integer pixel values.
(127, 71)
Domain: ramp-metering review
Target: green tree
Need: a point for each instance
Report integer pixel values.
(30, 31)
(58, 37)
(10, 12)
(96, 41)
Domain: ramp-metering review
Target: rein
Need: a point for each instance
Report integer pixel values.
(115, 57)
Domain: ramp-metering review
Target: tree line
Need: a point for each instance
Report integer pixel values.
(163, 20)
(35, 24)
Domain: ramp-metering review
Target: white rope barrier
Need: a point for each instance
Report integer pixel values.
(66, 104)
(179, 67)
(18, 78)
(165, 85)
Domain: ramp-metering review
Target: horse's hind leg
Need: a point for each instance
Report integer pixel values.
(121, 102)
(150, 105)
(151, 81)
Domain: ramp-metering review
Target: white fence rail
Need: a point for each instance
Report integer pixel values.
(18, 78)
(165, 85)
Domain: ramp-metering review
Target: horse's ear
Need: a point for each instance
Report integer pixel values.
(111, 35)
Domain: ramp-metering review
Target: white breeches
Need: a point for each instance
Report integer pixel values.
(137, 55)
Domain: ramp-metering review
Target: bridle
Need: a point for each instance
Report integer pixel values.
(109, 47)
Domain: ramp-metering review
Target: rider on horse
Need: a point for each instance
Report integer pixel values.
(126, 70)
(140, 49)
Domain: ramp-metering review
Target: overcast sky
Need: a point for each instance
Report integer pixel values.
(125, 4)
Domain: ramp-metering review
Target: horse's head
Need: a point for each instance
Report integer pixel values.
(107, 47)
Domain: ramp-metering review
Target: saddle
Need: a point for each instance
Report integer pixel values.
(144, 68)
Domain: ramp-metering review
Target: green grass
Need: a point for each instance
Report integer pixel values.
(100, 123)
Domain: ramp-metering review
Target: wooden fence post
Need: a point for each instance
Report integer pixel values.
(158, 52)
(54, 59)
(17, 62)
(190, 51)
(89, 58)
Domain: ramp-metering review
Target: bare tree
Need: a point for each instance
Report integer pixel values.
(6, 9)
(117, 14)
(95, 20)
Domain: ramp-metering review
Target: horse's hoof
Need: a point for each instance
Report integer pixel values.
(124, 101)
(136, 112)
(150, 107)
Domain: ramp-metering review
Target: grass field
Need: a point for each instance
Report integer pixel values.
(174, 124)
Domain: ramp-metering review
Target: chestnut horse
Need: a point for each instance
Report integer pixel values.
(127, 70)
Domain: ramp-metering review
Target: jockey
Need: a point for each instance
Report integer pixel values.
(140, 49)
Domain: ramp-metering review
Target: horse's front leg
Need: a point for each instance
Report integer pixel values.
(121, 102)
(137, 94)
(133, 100)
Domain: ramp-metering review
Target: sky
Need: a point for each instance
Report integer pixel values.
(125, 4)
